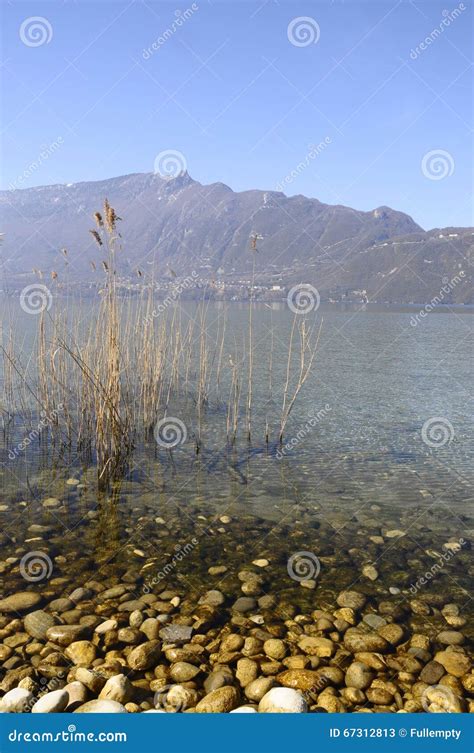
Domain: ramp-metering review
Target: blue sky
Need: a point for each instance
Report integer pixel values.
(242, 103)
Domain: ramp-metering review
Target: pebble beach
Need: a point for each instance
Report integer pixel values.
(244, 615)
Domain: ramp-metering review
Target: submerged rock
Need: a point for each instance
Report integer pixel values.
(37, 623)
(352, 599)
(23, 601)
(176, 633)
(64, 635)
(359, 676)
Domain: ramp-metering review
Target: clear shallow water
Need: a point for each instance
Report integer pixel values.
(361, 470)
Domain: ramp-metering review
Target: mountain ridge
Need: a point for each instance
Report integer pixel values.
(187, 226)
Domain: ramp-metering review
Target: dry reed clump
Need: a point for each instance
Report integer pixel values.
(123, 369)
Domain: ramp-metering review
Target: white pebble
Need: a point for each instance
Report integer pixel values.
(16, 701)
(282, 701)
(51, 703)
(244, 710)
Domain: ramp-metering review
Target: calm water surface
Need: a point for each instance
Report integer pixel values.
(356, 464)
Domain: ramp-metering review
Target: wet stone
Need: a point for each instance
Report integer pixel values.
(22, 601)
(244, 604)
(299, 679)
(184, 672)
(117, 688)
(145, 656)
(374, 620)
(356, 641)
(81, 653)
(450, 638)
(454, 662)
(359, 676)
(352, 599)
(256, 689)
(61, 605)
(66, 634)
(212, 599)
(176, 633)
(37, 623)
(219, 701)
(432, 673)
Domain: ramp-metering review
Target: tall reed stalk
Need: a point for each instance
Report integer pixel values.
(133, 363)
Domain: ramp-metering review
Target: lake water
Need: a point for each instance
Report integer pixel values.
(374, 471)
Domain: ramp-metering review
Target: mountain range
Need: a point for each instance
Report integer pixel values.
(179, 226)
